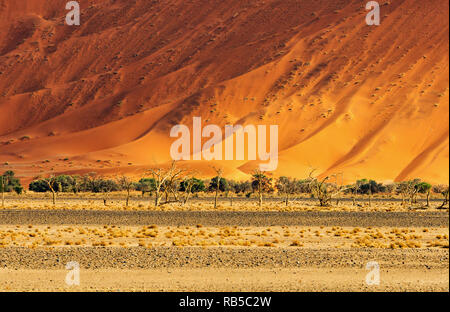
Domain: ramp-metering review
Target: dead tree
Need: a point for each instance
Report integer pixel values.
(445, 194)
(219, 172)
(444, 191)
(322, 190)
(355, 189)
(188, 184)
(339, 184)
(172, 183)
(161, 177)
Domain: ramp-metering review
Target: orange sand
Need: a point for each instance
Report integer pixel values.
(368, 101)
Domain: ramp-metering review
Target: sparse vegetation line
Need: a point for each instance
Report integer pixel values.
(177, 185)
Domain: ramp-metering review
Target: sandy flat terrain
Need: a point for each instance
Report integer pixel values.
(228, 270)
(206, 279)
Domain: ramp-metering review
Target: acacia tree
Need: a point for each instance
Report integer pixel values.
(219, 172)
(106, 187)
(354, 190)
(9, 183)
(146, 185)
(4, 181)
(161, 176)
(88, 183)
(261, 183)
(415, 191)
(424, 188)
(97, 184)
(242, 187)
(444, 191)
(404, 189)
(287, 186)
(76, 185)
(53, 187)
(369, 187)
(171, 185)
(231, 184)
(323, 190)
(319, 190)
(126, 184)
(189, 186)
(338, 185)
(408, 190)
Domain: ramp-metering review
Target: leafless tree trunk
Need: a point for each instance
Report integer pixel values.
(446, 199)
(188, 184)
(186, 198)
(161, 176)
(219, 173)
(158, 195)
(354, 196)
(106, 195)
(403, 200)
(259, 177)
(260, 199)
(320, 189)
(3, 186)
(126, 184)
(50, 182)
(159, 180)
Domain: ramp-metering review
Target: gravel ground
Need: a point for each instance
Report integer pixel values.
(227, 218)
(220, 257)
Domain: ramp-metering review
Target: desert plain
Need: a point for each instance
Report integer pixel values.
(302, 247)
(352, 100)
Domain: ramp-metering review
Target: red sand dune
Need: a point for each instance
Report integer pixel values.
(368, 101)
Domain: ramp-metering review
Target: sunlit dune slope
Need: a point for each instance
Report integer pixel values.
(367, 101)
